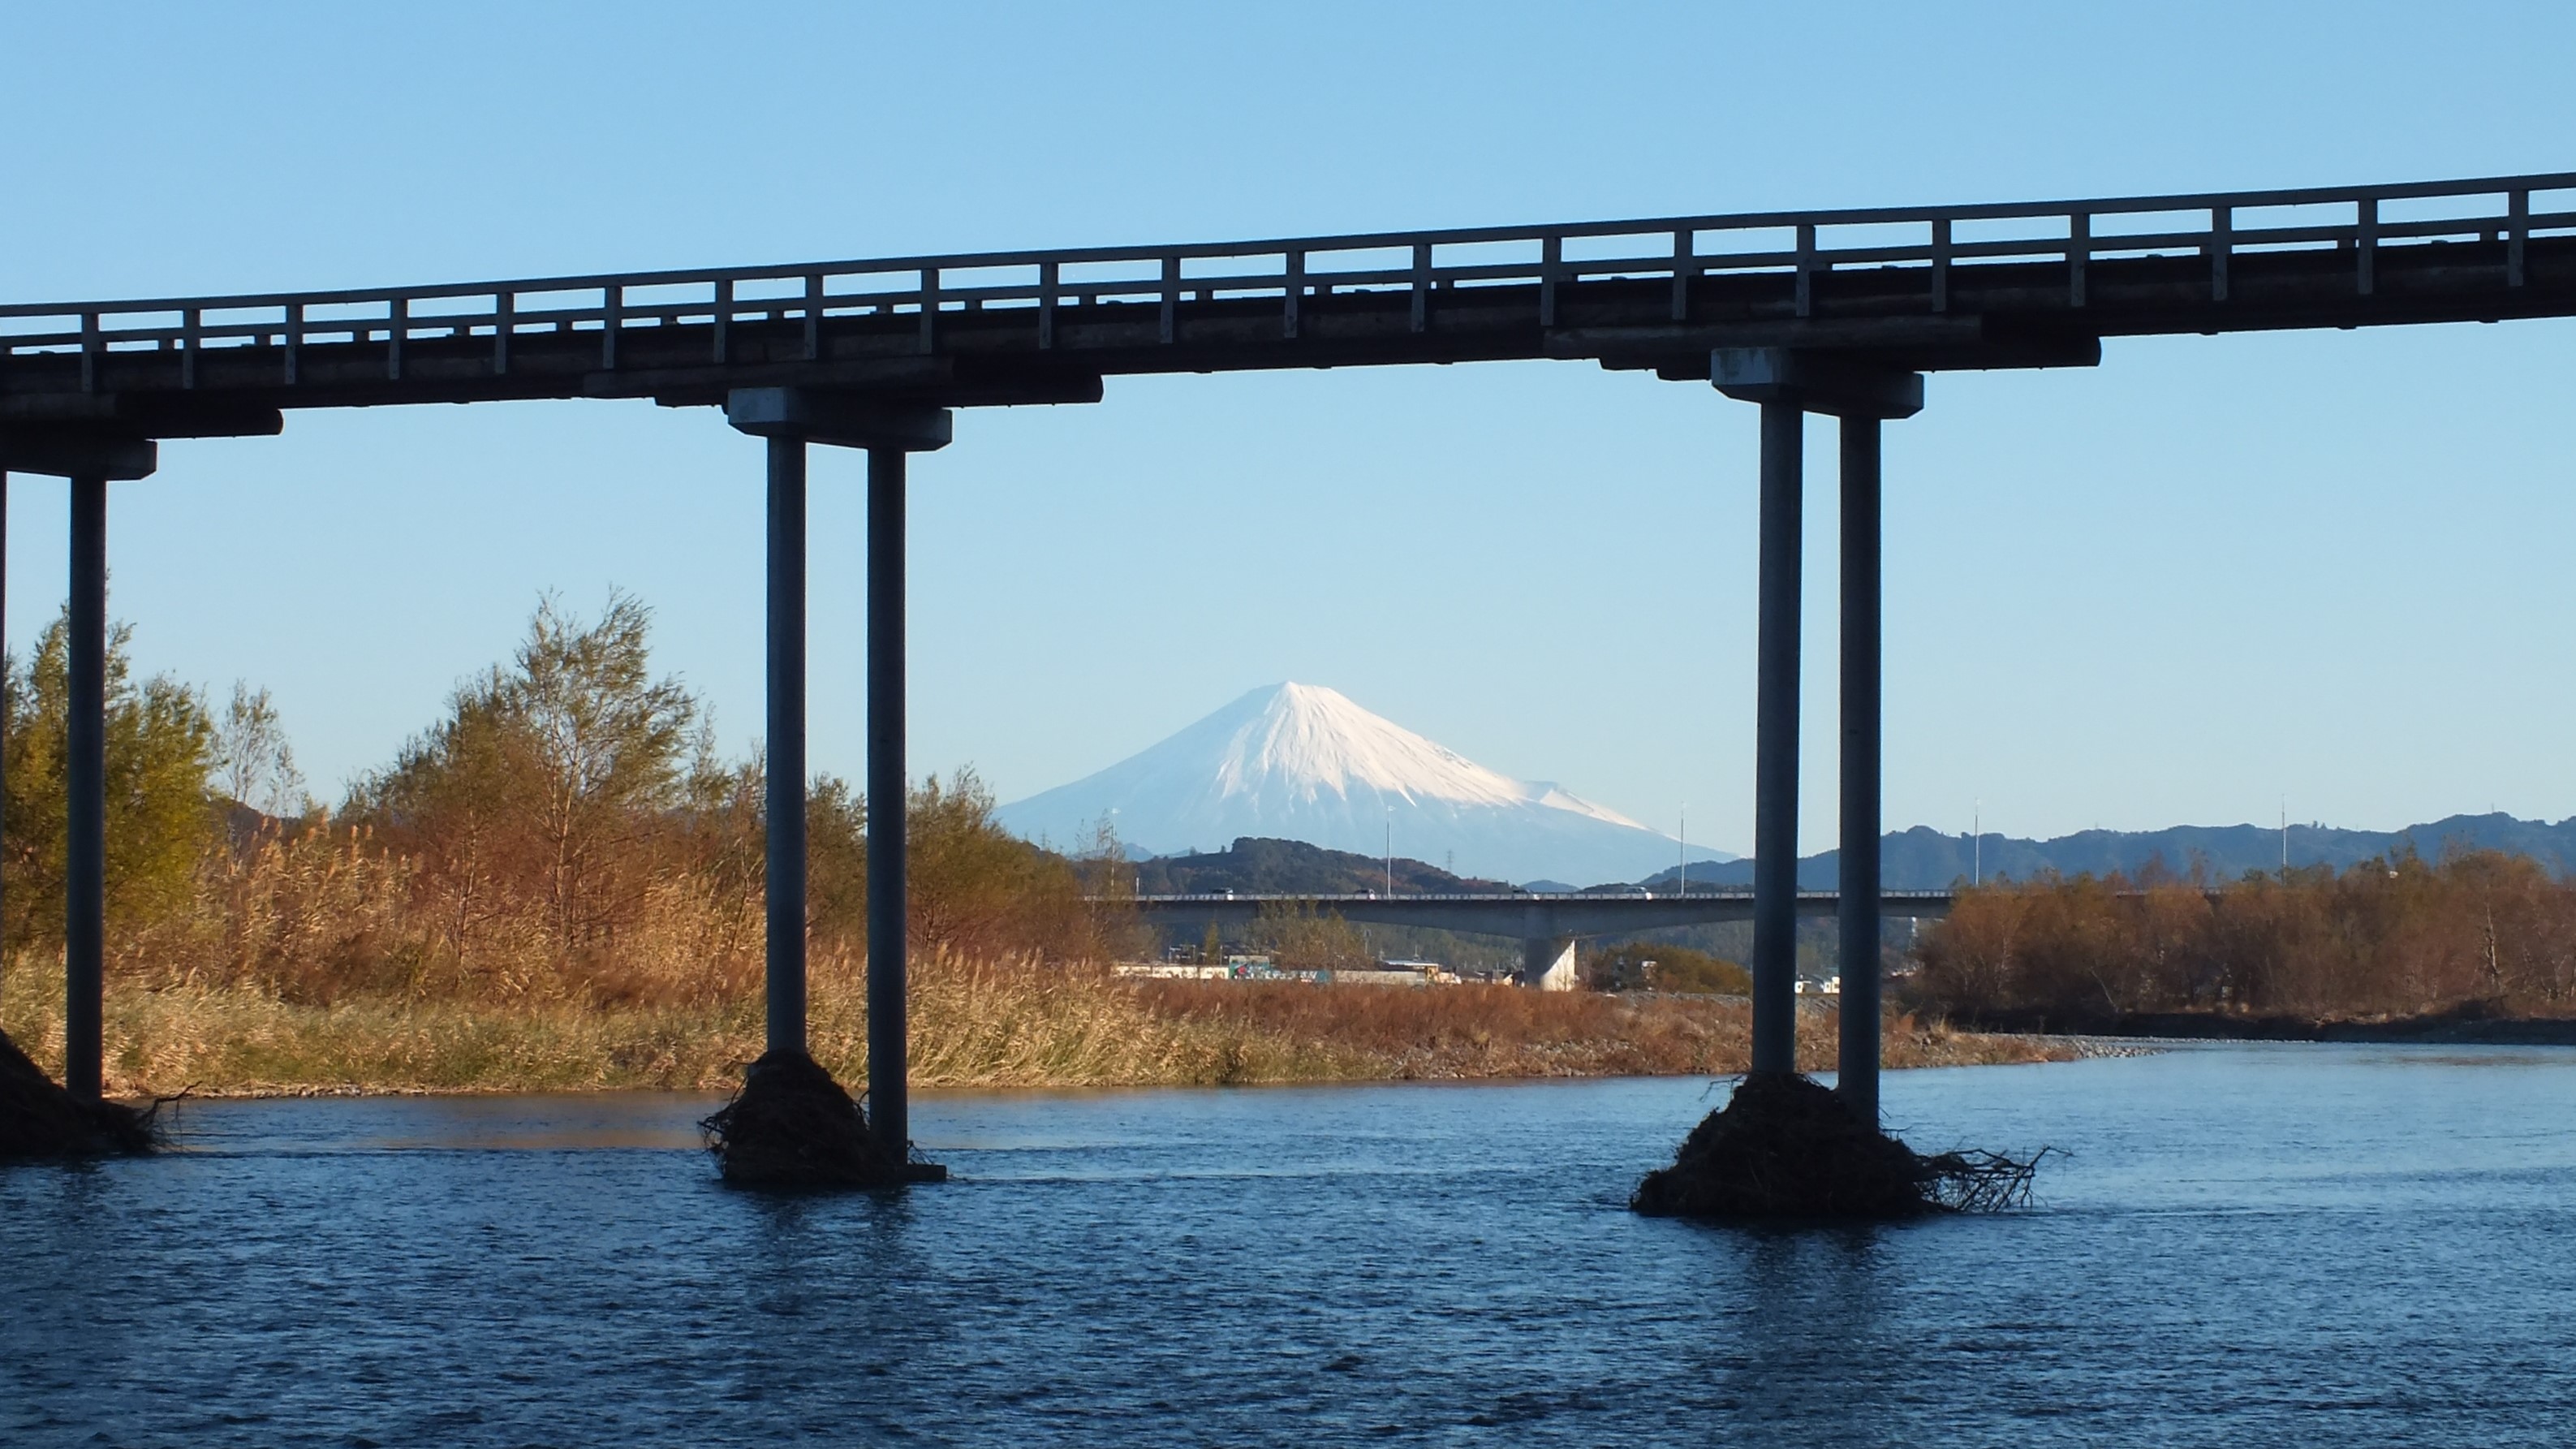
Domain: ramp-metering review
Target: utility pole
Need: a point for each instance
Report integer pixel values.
(1390, 850)
(1976, 844)
(1684, 877)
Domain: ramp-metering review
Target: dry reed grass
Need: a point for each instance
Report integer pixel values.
(315, 961)
(973, 1024)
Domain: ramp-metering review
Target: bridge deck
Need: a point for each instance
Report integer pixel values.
(2002, 285)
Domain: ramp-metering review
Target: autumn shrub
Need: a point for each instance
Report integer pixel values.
(2381, 938)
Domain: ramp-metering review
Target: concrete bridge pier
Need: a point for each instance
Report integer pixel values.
(1547, 953)
(1548, 963)
(790, 418)
(1788, 384)
(89, 461)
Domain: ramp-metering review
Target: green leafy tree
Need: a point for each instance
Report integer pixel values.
(551, 777)
(836, 864)
(160, 752)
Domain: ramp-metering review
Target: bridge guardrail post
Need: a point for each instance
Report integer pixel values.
(2365, 246)
(2518, 226)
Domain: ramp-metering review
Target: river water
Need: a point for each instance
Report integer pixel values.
(2270, 1245)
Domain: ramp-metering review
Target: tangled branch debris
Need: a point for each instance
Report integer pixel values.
(39, 1119)
(792, 1126)
(1785, 1146)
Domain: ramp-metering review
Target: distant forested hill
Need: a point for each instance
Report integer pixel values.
(1254, 866)
(1925, 859)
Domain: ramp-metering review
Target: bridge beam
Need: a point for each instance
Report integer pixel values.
(1788, 384)
(69, 452)
(790, 418)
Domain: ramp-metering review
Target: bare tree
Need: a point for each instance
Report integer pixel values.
(254, 764)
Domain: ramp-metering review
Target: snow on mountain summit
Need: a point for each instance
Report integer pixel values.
(1308, 740)
(1302, 762)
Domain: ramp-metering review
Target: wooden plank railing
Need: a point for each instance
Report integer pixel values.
(1288, 272)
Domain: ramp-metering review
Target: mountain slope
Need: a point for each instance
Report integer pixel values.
(1300, 762)
(1292, 867)
(1924, 859)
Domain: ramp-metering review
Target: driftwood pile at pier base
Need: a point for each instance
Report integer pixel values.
(1787, 1147)
(792, 1126)
(39, 1119)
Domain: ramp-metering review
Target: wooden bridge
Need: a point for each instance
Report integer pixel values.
(1837, 311)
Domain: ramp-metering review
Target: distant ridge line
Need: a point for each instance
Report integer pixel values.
(1926, 859)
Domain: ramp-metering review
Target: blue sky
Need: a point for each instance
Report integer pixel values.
(2209, 575)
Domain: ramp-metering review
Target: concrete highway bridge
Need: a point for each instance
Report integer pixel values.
(1548, 924)
(1834, 311)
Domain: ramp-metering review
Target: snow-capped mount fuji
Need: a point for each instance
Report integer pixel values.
(1301, 762)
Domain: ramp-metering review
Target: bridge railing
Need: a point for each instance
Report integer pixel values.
(1289, 272)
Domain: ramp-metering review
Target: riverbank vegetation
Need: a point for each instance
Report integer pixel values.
(2471, 934)
(557, 885)
(973, 1024)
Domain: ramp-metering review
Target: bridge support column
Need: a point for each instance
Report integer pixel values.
(1788, 384)
(889, 1087)
(1858, 923)
(85, 874)
(4, 699)
(1775, 743)
(790, 418)
(784, 881)
(90, 459)
(1549, 963)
